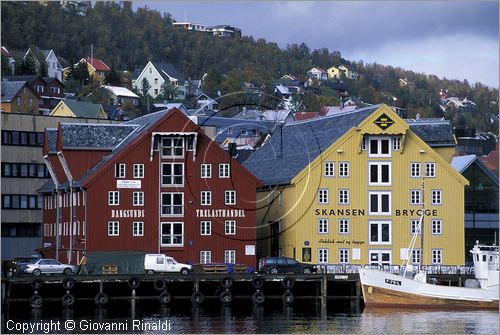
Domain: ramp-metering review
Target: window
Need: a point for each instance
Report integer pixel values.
(172, 147)
(190, 143)
(156, 91)
(436, 197)
(343, 197)
(113, 198)
(30, 101)
(18, 101)
(437, 256)
(322, 226)
(323, 256)
(113, 228)
(172, 234)
(323, 196)
(206, 170)
(343, 226)
(172, 174)
(380, 173)
(415, 197)
(172, 204)
(363, 143)
(230, 197)
(206, 198)
(206, 228)
(138, 170)
(344, 256)
(137, 228)
(379, 257)
(150, 70)
(229, 130)
(414, 227)
(344, 169)
(155, 80)
(230, 256)
(138, 198)
(436, 226)
(329, 169)
(119, 170)
(416, 255)
(379, 147)
(396, 143)
(39, 88)
(430, 170)
(380, 203)
(205, 257)
(415, 170)
(230, 227)
(224, 171)
(380, 232)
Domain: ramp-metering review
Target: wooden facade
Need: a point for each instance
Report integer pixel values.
(144, 213)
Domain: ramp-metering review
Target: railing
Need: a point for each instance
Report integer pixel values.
(396, 269)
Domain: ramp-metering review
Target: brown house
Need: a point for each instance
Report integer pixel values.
(19, 97)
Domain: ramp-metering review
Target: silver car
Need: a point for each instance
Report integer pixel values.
(47, 265)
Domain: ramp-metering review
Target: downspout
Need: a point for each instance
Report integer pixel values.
(85, 218)
(67, 172)
(58, 210)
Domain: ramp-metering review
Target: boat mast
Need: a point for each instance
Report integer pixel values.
(421, 224)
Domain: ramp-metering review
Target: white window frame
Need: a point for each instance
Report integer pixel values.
(344, 256)
(344, 169)
(329, 169)
(430, 169)
(415, 169)
(205, 228)
(206, 198)
(436, 197)
(414, 223)
(322, 225)
(120, 170)
(379, 254)
(224, 170)
(396, 143)
(344, 196)
(437, 256)
(230, 256)
(138, 170)
(416, 255)
(171, 205)
(205, 256)
(113, 198)
(230, 227)
(113, 228)
(206, 170)
(138, 228)
(230, 197)
(172, 234)
(380, 195)
(173, 147)
(379, 140)
(379, 175)
(323, 196)
(437, 226)
(415, 197)
(380, 224)
(344, 226)
(172, 175)
(138, 198)
(322, 256)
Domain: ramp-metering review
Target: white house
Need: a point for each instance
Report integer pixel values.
(317, 73)
(54, 68)
(158, 73)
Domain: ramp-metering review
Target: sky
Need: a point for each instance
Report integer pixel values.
(452, 39)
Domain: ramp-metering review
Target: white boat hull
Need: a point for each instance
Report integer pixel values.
(385, 289)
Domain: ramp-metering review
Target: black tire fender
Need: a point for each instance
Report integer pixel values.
(258, 298)
(36, 284)
(226, 297)
(165, 298)
(197, 298)
(288, 283)
(101, 299)
(134, 282)
(226, 282)
(257, 282)
(68, 300)
(160, 284)
(36, 301)
(287, 298)
(68, 283)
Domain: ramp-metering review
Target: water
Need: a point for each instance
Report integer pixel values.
(242, 317)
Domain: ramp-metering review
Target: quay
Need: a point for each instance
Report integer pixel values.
(197, 288)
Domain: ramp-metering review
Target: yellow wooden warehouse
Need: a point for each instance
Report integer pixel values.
(350, 189)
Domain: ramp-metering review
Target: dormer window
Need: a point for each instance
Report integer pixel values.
(379, 147)
(172, 147)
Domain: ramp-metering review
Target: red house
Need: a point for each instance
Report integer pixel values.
(156, 184)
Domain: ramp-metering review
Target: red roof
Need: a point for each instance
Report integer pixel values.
(98, 64)
(305, 116)
(5, 52)
(491, 161)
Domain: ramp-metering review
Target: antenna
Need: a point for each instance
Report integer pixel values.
(185, 15)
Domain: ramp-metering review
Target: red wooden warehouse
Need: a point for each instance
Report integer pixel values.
(156, 184)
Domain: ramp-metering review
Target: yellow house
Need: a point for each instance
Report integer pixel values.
(333, 72)
(97, 69)
(350, 189)
(73, 108)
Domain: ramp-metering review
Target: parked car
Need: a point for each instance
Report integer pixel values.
(11, 267)
(161, 263)
(284, 265)
(47, 265)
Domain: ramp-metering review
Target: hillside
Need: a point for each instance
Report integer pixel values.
(126, 40)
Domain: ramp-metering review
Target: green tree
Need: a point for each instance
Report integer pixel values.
(168, 91)
(144, 91)
(112, 77)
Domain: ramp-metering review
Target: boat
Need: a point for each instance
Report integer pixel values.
(411, 289)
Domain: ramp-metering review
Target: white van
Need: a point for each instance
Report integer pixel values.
(161, 263)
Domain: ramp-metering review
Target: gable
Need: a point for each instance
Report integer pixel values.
(383, 122)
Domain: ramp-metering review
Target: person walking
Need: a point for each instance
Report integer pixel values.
(83, 265)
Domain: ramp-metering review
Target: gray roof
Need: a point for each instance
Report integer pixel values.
(280, 159)
(83, 108)
(462, 163)
(51, 139)
(436, 133)
(167, 68)
(10, 89)
(98, 136)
